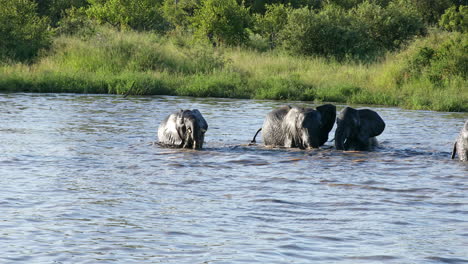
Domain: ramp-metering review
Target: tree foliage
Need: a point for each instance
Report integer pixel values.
(22, 32)
(326, 33)
(261, 6)
(430, 10)
(222, 22)
(340, 29)
(134, 14)
(388, 27)
(362, 32)
(179, 12)
(55, 9)
(455, 19)
(439, 61)
(272, 22)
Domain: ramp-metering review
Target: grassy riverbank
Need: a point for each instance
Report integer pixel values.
(429, 74)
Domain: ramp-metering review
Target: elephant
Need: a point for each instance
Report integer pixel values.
(460, 147)
(183, 129)
(357, 129)
(297, 127)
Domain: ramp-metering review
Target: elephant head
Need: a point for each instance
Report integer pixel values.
(185, 129)
(460, 147)
(302, 127)
(298, 127)
(357, 129)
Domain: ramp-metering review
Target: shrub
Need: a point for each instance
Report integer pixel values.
(75, 21)
(328, 33)
(178, 13)
(429, 10)
(439, 62)
(55, 9)
(23, 33)
(222, 22)
(272, 22)
(138, 15)
(388, 27)
(455, 19)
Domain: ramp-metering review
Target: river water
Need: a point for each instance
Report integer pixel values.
(82, 182)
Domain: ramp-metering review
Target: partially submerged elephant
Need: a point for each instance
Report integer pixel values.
(183, 129)
(357, 129)
(297, 127)
(460, 147)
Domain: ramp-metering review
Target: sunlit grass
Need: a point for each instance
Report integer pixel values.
(144, 64)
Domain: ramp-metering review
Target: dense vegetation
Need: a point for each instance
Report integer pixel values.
(405, 53)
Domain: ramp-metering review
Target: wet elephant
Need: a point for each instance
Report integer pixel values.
(357, 129)
(183, 129)
(460, 147)
(298, 127)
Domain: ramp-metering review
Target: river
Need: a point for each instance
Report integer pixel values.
(81, 181)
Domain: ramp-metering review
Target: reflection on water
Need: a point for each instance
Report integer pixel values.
(82, 182)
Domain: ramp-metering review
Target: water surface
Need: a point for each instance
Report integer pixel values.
(82, 182)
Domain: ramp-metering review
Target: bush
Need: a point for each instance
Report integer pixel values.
(139, 15)
(439, 62)
(455, 19)
(430, 10)
(364, 32)
(330, 33)
(178, 13)
(388, 27)
(55, 9)
(75, 21)
(272, 22)
(222, 22)
(23, 33)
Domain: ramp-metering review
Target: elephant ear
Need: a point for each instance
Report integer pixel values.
(201, 121)
(328, 116)
(371, 122)
(169, 132)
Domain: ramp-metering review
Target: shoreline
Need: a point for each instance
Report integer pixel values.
(141, 63)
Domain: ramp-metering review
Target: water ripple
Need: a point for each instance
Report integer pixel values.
(84, 181)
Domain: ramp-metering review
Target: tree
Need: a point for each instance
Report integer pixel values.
(222, 22)
(22, 32)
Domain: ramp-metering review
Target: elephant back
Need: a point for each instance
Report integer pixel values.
(272, 126)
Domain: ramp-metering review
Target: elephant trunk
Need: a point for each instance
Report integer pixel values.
(196, 135)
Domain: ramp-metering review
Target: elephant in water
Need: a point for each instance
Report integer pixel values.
(357, 129)
(183, 129)
(297, 127)
(460, 147)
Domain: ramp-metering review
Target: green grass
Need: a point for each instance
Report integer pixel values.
(147, 64)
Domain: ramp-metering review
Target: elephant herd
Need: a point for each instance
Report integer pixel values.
(296, 127)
